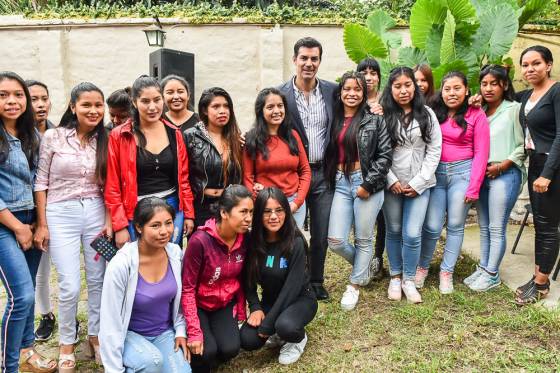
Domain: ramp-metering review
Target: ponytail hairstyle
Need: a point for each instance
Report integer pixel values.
(120, 99)
(441, 110)
(70, 120)
(25, 125)
(287, 233)
(501, 73)
(545, 53)
(231, 196)
(395, 117)
(141, 83)
(231, 130)
(349, 140)
(258, 137)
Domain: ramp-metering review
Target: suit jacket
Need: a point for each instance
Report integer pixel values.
(327, 90)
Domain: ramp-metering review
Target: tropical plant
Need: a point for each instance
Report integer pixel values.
(447, 34)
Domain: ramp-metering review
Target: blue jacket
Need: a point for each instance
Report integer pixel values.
(16, 178)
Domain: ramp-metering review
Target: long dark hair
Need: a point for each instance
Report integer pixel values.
(427, 72)
(394, 113)
(70, 120)
(231, 130)
(442, 110)
(502, 76)
(257, 137)
(25, 126)
(287, 233)
(138, 86)
(349, 141)
(147, 208)
(231, 196)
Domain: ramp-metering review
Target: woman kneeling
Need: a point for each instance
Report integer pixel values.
(277, 262)
(142, 327)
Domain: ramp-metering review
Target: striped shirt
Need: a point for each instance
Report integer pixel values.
(313, 114)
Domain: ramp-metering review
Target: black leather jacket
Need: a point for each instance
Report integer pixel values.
(375, 152)
(205, 163)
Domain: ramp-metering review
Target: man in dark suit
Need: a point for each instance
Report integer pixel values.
(310, 106)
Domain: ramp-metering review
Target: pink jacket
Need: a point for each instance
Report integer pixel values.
(212, 276)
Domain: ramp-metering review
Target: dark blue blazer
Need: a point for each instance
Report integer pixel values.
(328, 90)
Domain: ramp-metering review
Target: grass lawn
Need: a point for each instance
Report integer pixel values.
(464, 331)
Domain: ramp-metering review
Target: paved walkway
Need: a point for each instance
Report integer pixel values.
(516, 268)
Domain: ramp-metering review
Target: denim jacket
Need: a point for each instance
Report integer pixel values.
(16, 178)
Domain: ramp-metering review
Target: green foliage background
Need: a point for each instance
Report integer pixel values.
(335, 12)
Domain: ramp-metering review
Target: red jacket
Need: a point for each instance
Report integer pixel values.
(212, 276)
(121, 187)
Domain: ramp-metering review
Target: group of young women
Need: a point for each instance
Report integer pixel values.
(409, 157)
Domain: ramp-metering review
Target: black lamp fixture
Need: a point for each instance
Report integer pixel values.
(155, 34)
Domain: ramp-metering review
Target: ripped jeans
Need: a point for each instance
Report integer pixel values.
(348, 209)
(153, 354)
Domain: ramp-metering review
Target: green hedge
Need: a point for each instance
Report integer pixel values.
(335, 12)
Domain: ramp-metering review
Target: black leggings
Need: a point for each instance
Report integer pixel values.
(221, 338)
(546, 215)
(290, 324)
(380, 236)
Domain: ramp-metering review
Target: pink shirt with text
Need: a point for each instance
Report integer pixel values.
(474, 143)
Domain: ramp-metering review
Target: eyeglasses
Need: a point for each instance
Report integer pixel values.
(267, 213)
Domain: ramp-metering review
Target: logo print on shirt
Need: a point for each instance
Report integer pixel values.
(238, 258)
(270, 261)
(216, 275)
(283, 263)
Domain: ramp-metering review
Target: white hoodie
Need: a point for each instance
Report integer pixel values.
(119, 291)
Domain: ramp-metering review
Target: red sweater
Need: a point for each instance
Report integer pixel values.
(290, 173)
(211, 276)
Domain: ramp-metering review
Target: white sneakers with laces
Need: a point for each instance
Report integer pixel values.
(394, 292)
(410, 292)
(291, 352)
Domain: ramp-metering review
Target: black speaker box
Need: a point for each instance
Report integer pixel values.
(164, 62)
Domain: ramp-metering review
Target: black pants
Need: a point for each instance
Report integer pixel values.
(380, 236)
(319, 201)
(221, 338)
(546, 215)
(290, 324)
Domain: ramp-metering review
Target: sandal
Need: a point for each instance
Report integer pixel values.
(533, 294)
(92, 352)
(67, 358)
(525, 286)
(38, 365)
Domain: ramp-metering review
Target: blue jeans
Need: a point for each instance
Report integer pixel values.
(404, 218)
(299, 215)
(348, 209)
(177, 237)
(18, 269)
(153, 354)
(497, 198)
(447, 196)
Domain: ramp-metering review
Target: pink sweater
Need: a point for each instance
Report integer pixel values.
(473, 144)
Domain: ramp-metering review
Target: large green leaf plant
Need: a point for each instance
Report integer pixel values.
(447, 34)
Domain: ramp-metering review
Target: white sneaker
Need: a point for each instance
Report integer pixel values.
(291, 352)
(395, 290)
(473, 277)
(349, 298)
(445, 282)
(412, 295)
(274, 341)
